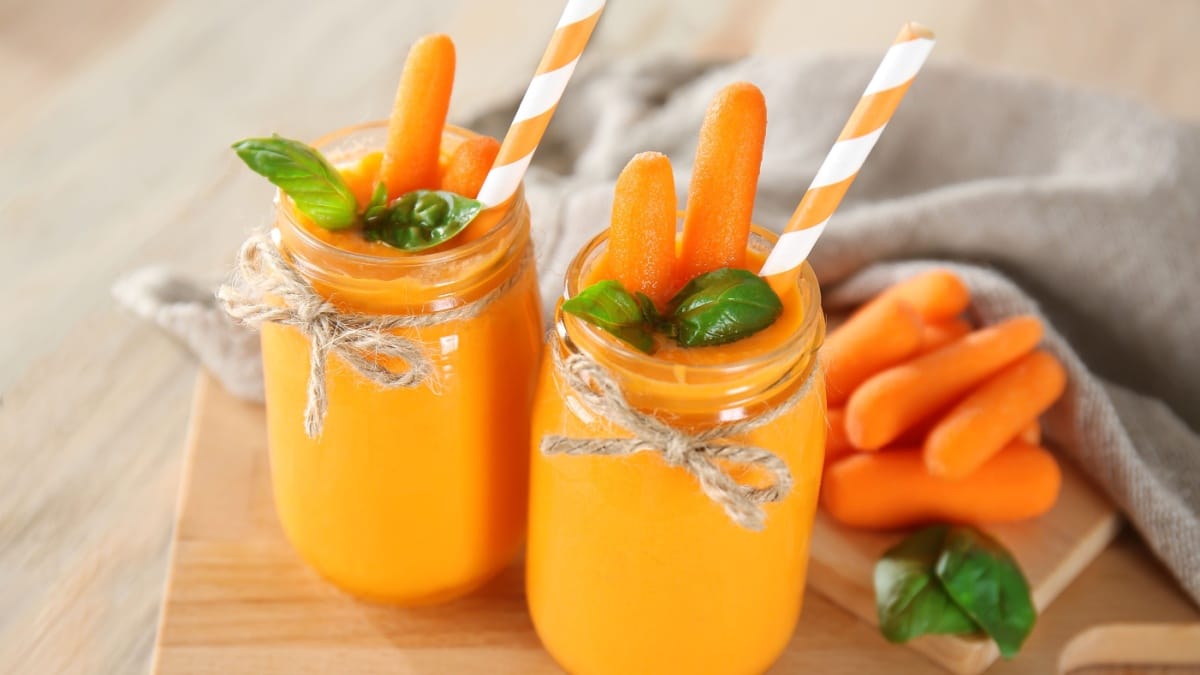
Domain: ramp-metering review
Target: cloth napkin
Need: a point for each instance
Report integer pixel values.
(1082, 208)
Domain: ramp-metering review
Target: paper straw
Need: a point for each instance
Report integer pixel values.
(884, 93)
(541, 98)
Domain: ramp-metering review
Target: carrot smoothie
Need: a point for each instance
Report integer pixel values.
(631, 568)
(678, 430)
(409, 494)
(401, 362)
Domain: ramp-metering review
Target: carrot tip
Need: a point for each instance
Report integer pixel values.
(724, 181)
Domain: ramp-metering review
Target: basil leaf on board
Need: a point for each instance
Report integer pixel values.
(909, 597)
(421, 219)
(305, 176)
(607, 305)
(984, 580)
(723, 306)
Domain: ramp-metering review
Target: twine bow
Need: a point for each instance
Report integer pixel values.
(361, 340)
(697, 453)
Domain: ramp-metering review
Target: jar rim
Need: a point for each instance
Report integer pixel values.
(803, 342)
(505, 223)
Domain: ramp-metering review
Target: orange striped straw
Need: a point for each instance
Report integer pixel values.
(541, 98)
(883, 94)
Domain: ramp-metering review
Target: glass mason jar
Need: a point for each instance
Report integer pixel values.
(409, 495)
(630, 567)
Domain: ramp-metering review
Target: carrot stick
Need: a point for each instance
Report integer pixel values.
(469, 165)
(886, 405)
(941, 333)
(880, 334)
(414, 137)
(363, 176)
(915, 435)
(992, 415)
(936, 295)
(837, 446)
(892, 489)
(720, 204)
(641, 243)
(1032, 433)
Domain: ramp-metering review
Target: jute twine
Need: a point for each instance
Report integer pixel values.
(697, 453)
(361, 340)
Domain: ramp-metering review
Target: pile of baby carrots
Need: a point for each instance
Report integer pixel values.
(933, 420)
(412, 156)
(720, 202)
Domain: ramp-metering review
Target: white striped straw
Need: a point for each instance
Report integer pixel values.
(876, 106)
(541, 98)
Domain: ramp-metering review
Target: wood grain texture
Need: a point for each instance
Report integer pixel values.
(114, 136)
(240, 600)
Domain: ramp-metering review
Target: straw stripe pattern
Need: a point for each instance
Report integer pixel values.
(866, 124)
(579, 18)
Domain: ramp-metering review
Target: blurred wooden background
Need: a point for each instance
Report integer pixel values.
(115, 121)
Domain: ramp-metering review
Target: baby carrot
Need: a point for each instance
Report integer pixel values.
(992, 415)
(1032, 433)
(936, 294)
(469, 165)
(886, 405)
(641, 243)
(720, 204)
(880, 334)
(915, 435)
(363, 176)
(891, 489)
(837, 445)
(414, 136)
(938, 334)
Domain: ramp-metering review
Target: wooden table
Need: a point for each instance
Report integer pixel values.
(114, 153)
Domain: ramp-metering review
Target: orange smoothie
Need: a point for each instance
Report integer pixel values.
(408, 495)
(631, 568)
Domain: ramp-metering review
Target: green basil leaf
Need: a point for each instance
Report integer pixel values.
(303, 174)
(723, 306)
(421, 219)
(909, 597)
(377, 203)
(984, 580)
(654, 318)
(649, 311)
(607, 305)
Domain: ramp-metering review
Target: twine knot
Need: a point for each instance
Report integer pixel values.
(676, 449)
(364, 341)
(320, 314)
(697, 453)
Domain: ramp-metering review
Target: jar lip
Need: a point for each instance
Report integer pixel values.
(506, 222)
(796, 346)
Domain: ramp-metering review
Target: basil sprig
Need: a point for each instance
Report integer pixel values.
(378, 203)
(714, 308)
(414, 221)
(984, 580)
(723, 306)
(304, 174)
(908, 595)
(955, 580)
(609, 306)
(420, 219)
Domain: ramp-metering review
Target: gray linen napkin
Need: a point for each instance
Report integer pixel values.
(1082, 208)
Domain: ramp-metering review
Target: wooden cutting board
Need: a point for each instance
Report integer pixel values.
(1052, 550)
(238, 600)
